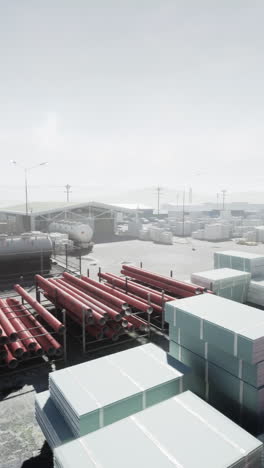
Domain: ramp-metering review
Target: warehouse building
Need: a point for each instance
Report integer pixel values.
(101, 217)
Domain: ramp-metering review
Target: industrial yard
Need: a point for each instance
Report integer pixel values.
(22, 442)
(131, 234)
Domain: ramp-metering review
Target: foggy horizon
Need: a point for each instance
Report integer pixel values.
(120, 97)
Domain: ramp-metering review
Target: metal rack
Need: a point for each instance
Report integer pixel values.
(42, 360)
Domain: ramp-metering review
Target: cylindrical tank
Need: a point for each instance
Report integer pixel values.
(78, 232)
(27, 246)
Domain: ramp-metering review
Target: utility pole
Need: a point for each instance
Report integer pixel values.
(217, 201)
(190, 195)
(68, 191)
(224, 197)
(177, 199)
(183, 212)
(159, 190)
(26, 190)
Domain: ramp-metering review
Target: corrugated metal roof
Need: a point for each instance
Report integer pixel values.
(36, 208)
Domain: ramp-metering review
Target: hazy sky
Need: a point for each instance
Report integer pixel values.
(118, 95)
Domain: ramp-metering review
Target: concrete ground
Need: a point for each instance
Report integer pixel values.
(184, 257)
(21, 442)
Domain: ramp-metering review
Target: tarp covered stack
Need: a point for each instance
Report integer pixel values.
(242, 261)
(182, 432)
(223, 342)
(224, 282)
(91, 395)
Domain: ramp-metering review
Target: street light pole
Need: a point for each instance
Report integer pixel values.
(26, 169)
(26, 190)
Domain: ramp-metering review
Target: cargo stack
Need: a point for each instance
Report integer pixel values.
(223, 343)
(89, 396)
(256, 293)
(242, 261)
(182, 432)
(225, 282)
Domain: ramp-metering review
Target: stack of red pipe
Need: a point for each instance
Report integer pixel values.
(22, 336)
(178, 289)
(147, 295)
(107, 313)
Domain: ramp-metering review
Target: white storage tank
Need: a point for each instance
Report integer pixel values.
(80, 233)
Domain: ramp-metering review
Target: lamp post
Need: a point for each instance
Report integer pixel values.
(26, 170)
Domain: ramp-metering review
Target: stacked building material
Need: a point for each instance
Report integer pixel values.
(22, 336)
(256, 293)
(144, 234)
(92, 395)
(170, 285)
(182, 432)
(54, 427)
(225, 282)
(223, 342)
(160, 236)
(242, 261)
(213, 232)
(259, 233)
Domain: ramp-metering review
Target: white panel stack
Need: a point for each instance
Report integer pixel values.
(55, 429)
(216, 232)
(259, 233)
(224, 282)
(182, 432)
(144, 235)
(223, 342)
(198, 234)
(160, 236)
(97, 393)
(242, 261)
(256, 293)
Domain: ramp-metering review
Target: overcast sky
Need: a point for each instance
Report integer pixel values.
(124, 94)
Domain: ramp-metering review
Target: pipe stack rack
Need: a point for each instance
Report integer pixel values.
(152, 289)
(104, 314)
(26, 331)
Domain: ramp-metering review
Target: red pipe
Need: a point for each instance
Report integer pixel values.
(10, 360)
(130, 328)
(177, 291)
(133, 288)
(47, 342)
(128, 299)
(73, 314)
(155, 307)
(169, 281)
(96, 290)
(24, 335)
(54, 323)
(62, 298)
(115, 326)
(17, 348)
(109, 310)
(8, 328)
(138, 323)
(143, 286)
(112, 334)
(98, 318)
(4, 338)
(96, 332)
(3, 353)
